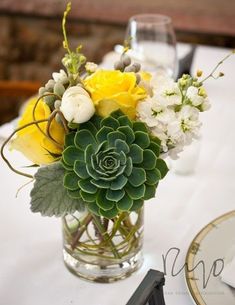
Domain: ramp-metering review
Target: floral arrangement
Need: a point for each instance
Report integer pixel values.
(99, 138)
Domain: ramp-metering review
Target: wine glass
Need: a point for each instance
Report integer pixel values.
(153, 44)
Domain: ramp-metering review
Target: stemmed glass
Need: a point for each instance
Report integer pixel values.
(153, 43)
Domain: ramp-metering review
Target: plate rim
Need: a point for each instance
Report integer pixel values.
(192, 251)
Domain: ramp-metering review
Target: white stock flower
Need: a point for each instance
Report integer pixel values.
(206, 105)
(91, 67)
(193, 95)
(76, 105)
(61, 76)
(166, 90)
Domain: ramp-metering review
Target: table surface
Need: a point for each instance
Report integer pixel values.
(32, 270)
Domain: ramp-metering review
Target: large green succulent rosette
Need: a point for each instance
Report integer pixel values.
(112, 164)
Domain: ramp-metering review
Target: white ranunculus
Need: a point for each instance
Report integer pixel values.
(61, 76)
(74, 91)
(76, 105)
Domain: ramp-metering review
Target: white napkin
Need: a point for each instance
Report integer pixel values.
(228, 274)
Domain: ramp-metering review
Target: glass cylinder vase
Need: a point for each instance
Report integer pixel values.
(100, 249)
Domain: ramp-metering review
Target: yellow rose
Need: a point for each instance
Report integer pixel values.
(112, 90)
(31, 141)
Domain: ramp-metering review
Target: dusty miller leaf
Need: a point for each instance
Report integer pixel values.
(48, 196)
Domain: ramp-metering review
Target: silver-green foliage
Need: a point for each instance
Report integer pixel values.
(48, 195)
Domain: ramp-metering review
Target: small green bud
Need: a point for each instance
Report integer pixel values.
(42, 91)
(119, 66)
(130, 69)
(199, 73)
(57, 104)
(49, 100)
(126, 60)
(137, 66)
(59, 89)
(50, 85)
(58, 119)
(138, 78)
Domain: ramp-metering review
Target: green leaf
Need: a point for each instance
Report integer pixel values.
(92, 172)
(66, 166)
(153, 176)
(155, 148)
(103, 202)
(162, 167)
(89, 151)
(150, 191)
(71, 181)
(121, 146)
(125, 203)
(48, 196)
(93, 208)
(119, 183)
(96, 120)
(80, 169)
(122, 157)
(69, 139)
(88, 126)
(71, 154)
(155, 140)
(87, 186)
(87, 197)
(150, 160)
(101, 183)
(137, 204)
(124, 121)
(136, 154)
(115, 195)
(140, 126)
(115, 135)
(142, 139)
(128, 132)
(83, 138)
(110, 122)
(102, 134)
(137, 176)
(73, 126)
(117, 114)
(74, 194)
(110, 213)
(135, 192)
(129, 166)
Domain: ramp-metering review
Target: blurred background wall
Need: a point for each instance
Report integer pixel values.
(31, 38)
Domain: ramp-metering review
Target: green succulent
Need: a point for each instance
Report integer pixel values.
(112, 164)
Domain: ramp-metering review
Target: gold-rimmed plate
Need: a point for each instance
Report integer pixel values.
(205, 260)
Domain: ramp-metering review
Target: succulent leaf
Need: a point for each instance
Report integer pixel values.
(83, 138)
(112, 164)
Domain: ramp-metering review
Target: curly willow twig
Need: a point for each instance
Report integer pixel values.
(9, 138)
(34, 118)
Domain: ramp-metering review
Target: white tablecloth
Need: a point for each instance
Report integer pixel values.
(31, 267)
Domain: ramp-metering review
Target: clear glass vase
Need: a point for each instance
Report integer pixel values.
(100, 249)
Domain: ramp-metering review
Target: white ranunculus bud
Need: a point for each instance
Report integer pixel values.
(76, 105)
(61, 76)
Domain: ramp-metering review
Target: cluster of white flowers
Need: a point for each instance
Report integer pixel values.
(172, 113)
